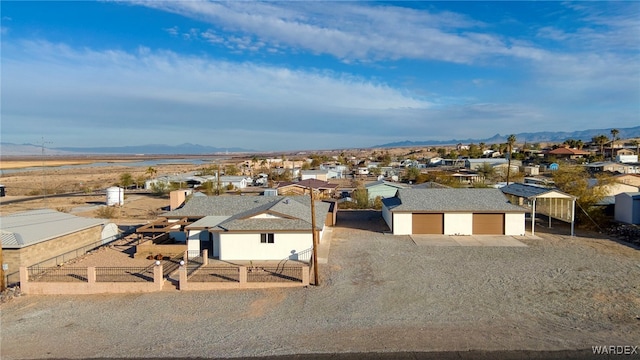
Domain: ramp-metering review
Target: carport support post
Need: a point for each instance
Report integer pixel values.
(314, 237)
(573, 215)
(533, 217)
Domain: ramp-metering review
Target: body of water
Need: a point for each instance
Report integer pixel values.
(98, 164)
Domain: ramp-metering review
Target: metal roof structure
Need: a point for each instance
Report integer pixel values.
(530, 191)
(32, 227)
(388, 183)
(450, 200)
(548, 201)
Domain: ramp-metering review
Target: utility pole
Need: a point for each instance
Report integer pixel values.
(44, 189)
(3, 284)
(314, 235)
(218, 190)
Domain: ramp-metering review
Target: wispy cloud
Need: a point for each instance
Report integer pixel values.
(352, 32)
(119, 89)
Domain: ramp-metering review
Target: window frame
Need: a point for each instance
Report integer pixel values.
(267, 238)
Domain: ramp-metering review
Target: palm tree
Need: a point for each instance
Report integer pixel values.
(600, 140)
(637, 144)
(510, 141)
(614, 137)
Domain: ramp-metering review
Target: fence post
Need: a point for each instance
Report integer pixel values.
(24, 280)
(158, 277)
(305, 275)
(185, 256)
(242, 274)
(91, 274)
(205, 257)
(182, 271)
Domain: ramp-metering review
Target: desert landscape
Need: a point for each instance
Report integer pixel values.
(380, 296)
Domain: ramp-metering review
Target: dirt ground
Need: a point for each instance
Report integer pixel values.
(379, 294)
(24, 190)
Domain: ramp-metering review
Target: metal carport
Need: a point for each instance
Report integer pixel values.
(551, 202)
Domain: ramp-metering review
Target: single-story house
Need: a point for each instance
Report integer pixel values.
(314, 174)
(627, 208)
(48, 238)
(626, 156)
(629, 179)
(614, 188)
(238, 182)
(384, 189)
(622, 168)
(567, 153)
(321, 188)
(252, 227)
(500, 164)
(452, 212)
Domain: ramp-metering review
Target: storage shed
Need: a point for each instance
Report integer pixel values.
(627, 208)
(452, 212)
(49, 238)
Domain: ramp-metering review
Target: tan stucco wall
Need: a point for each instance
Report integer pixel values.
(46, 250)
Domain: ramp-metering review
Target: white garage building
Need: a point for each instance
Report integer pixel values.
(452, 212)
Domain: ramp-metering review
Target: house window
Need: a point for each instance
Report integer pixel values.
(266, 238)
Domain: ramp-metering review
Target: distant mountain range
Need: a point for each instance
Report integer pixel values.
(530, 137)
(151, 149)
(195, 149)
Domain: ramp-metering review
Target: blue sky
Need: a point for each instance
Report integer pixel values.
(313, 75)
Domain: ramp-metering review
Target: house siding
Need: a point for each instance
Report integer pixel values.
(387, 216)
(241, 246)
(514, 224)
(402, 223)
(458, 223)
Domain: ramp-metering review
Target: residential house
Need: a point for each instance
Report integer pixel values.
(611, 166)
(314, 174)
(629, 179)
(627, 207)
(626, 156)
(499, 165)
(383, 189)
(252, 227)
(322, 189)
(238, 182)
(567, 153)
(452, 212)
(49, 238)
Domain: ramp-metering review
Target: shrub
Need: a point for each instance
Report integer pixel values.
(106, 212)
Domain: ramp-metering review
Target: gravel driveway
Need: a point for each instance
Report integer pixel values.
(379, 293)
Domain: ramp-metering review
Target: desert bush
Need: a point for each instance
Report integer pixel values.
(106, 212)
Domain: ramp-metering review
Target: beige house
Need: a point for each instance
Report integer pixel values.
(322, 175)
(49, 238)
(628, 179)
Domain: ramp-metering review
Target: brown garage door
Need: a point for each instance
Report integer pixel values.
(488, 224)
(427, 224)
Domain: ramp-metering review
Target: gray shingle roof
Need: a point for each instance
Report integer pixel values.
(443, 200)
(32, 227)
(294, 212)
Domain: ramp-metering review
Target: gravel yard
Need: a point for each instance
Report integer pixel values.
(379, 293)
